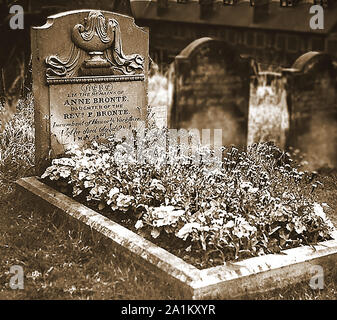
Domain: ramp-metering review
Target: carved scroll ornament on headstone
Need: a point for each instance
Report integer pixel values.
(101, 40)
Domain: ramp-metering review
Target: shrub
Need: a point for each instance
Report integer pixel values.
(17, 147)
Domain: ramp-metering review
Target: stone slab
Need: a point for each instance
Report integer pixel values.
(232, 280)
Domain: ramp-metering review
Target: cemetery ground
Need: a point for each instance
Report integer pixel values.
(63, 261)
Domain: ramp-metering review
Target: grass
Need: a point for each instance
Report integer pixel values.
(17, 145)
(62, 260)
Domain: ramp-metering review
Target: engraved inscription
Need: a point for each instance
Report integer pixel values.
(92, 111)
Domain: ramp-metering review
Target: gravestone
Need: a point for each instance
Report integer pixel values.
(89, 79)
(312, 99)
(211, 90)
(158, 97)
(268, 109)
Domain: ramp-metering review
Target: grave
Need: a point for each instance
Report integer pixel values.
(60, 79)
(211, 90)
(228, 281)
(89, 79)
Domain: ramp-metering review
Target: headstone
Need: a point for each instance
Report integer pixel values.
(312, 99)
(211, 90)
(158, 97)
(89, 78)
(268, 109)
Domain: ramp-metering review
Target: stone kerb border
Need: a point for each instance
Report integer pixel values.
(229, 281)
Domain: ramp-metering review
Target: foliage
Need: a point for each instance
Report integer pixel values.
(254, 203)
(17, 145)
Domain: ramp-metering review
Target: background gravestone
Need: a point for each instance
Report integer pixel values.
(211, 90)
(89, 79)
(268, 109)
(312, 102)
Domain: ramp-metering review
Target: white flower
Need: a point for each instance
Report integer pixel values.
(123, 201)
(64, 162)
(76, 191)
(156, 184)
(48, 171)
(83, 162)
(97, 191)
(187, 229)
(253, 190)
(229, 224)
(71, 290)
(81, 175)
(112, 192)
(247, 186)
(165, 215)
(188, 249)
(34, 275)
(139, 224)
(243, 228)
(155, 233)
(89, 184)
(319, 211)
(111, 195)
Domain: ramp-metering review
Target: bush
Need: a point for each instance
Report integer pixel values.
(17, 149)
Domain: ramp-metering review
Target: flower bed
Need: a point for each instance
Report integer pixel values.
(207, 212)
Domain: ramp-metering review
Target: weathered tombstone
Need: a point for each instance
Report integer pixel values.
(158, 98)
(211, 90)
(312, 100)
(268, 109)
(89, 78)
